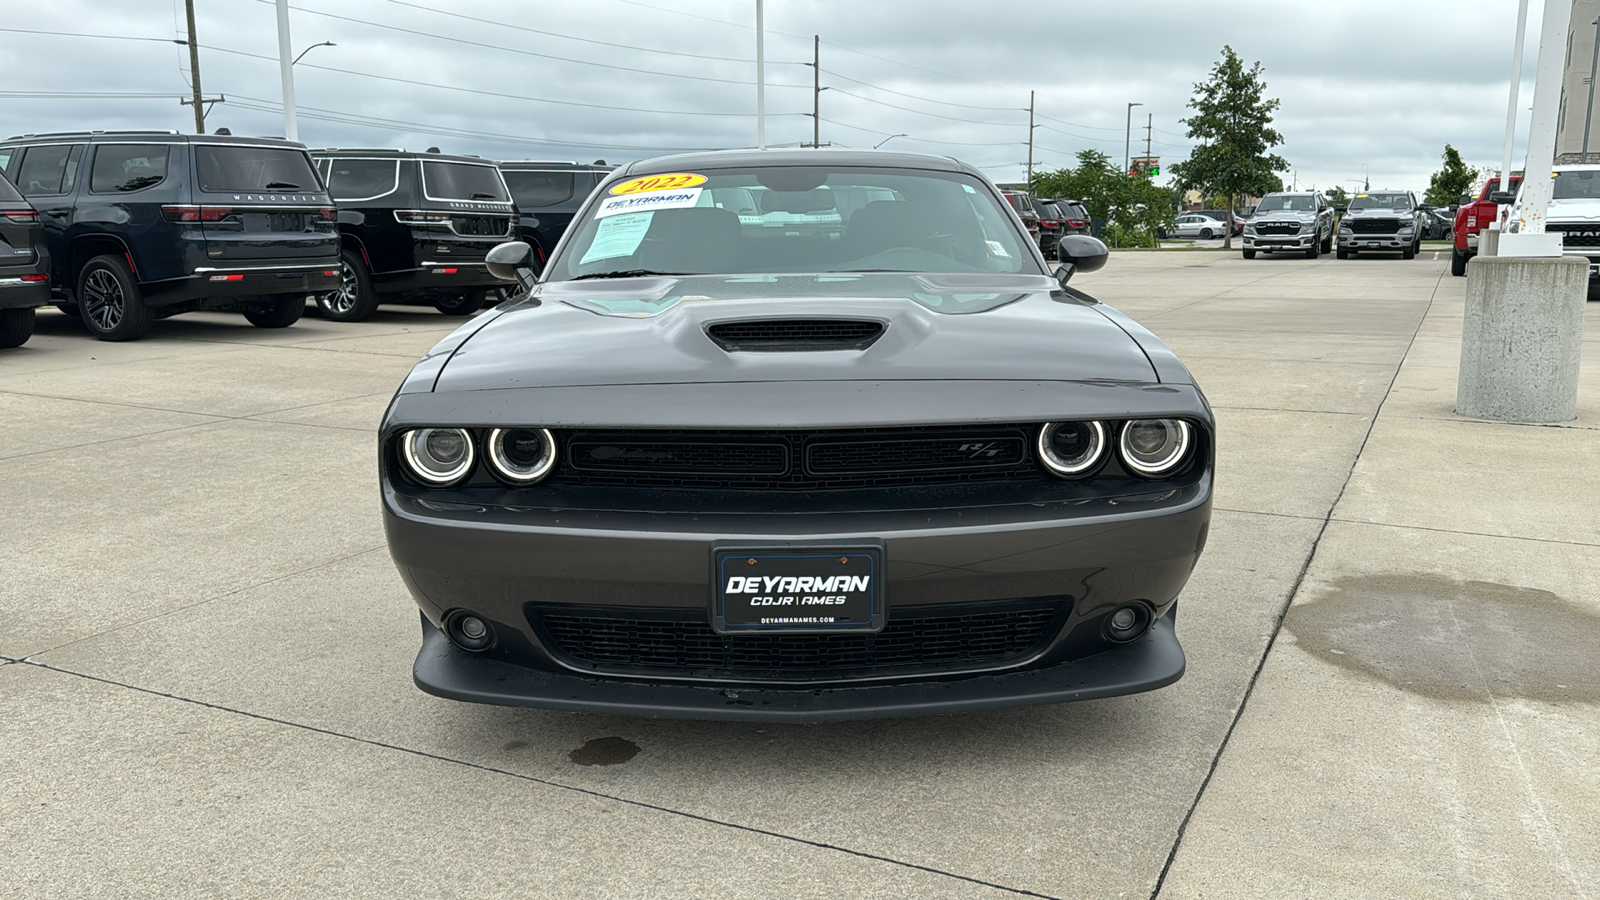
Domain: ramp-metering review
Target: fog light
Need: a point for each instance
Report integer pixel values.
(1127, 623)
(468, 631)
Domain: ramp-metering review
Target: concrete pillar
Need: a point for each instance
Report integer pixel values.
(1522, 338)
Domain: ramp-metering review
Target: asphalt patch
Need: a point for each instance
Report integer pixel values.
(1455, 640)
(606, 751)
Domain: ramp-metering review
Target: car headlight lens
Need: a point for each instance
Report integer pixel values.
(437, 456)
(1071, 448)
(1155, 446)
(521, 455)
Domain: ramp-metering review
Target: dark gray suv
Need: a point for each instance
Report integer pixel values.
(142, 225)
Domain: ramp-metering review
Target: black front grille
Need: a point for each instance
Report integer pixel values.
(1277, 228)
(1576, 235)
(795, 334)
(680, 643)
(482, 226)
(798, 461)
(1374, 226)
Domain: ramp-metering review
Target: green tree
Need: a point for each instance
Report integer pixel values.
(1450, 182)
(1233, 122)
(1338, 197)
(1132, 208)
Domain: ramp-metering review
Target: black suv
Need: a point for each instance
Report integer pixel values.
(1052, 223)
(142, 225)
(1077, 220)
(415, 229)
(547, 195)
(24, 266)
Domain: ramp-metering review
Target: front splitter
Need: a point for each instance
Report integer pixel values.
(1154, 661)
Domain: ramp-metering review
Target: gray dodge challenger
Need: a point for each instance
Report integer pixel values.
(796, 436)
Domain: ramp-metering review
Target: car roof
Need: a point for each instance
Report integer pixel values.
(729, 159)
(382, 153)
(147, 137)
(523, 165)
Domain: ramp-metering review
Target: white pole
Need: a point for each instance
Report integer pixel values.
(1516, 92)
(1537, 185)
(286, 65)
(761, 77)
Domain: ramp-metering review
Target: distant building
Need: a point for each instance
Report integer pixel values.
(1576, 111)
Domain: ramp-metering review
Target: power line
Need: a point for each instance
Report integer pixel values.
(459, 15)
(582, 62)
(91, 95)
(258, 104)
(449, 87)
(915, 97)
(924, 113)
(109, 37)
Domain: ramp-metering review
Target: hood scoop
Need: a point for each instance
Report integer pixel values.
(795, 335)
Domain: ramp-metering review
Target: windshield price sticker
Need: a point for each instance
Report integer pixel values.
(651, 183)
(633, 203)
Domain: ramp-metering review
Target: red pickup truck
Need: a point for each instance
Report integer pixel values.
(1472, 218)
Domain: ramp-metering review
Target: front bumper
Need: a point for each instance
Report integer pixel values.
(229, 283)
(1151, 662)
(1267, 243)
(1381, 242)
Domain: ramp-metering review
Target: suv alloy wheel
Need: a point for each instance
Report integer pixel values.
(277, 312)
(354, 300)
(109, 301)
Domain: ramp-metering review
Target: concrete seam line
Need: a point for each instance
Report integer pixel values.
(127, 437)
(198, 603)
(601, 795)
(1498, 537)
(1288, 601)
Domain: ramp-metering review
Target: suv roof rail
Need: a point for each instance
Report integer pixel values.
(45, 134)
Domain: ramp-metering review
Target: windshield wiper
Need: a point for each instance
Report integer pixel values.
(480, 195)
(625, 273)
(282, 184)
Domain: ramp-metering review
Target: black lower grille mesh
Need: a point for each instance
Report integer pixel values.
(1374, 226)
(925, 639)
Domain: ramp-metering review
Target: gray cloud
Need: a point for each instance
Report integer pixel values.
(1378, 86)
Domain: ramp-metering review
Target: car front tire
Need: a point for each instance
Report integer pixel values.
(1249, 254)
(110, 302)
(1313, 251)
(1342, 253)
(354, 300)
(16, 326)
(277, 312)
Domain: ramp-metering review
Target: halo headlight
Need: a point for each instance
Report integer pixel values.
(437, 456)
(1154, 447)
(521, 456)
(1071, 448)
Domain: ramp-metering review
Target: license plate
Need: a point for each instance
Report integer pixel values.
(797, 588)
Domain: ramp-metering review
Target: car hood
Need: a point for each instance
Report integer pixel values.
(1284, 215)
(1379, 213)
(1583, 208)
(937, 327)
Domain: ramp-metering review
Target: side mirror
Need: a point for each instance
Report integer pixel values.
(1079, 253)
(1502, 197)
(513, 261)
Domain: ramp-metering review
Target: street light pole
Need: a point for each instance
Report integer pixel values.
(286, 70)
(886, 140)
(761, 76)
(1588, 113)
(1030, 140)
(1127, 138)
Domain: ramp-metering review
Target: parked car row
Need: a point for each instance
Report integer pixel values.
(122, 228)
(1049, 220)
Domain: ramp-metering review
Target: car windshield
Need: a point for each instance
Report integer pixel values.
(800, 219)
(1381, 201)
(1287, 203)
(1577, 185)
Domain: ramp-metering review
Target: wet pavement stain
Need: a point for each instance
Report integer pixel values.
(606, 751)
(1455, 640)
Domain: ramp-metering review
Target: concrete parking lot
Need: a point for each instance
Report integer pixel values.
(1392, 688)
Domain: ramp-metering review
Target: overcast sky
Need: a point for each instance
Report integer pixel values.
(1373, 86)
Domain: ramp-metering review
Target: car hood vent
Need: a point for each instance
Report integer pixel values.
(795, 334)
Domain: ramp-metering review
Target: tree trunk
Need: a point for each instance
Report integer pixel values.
(1227, 227)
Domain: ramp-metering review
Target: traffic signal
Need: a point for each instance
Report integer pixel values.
(1155, 170)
